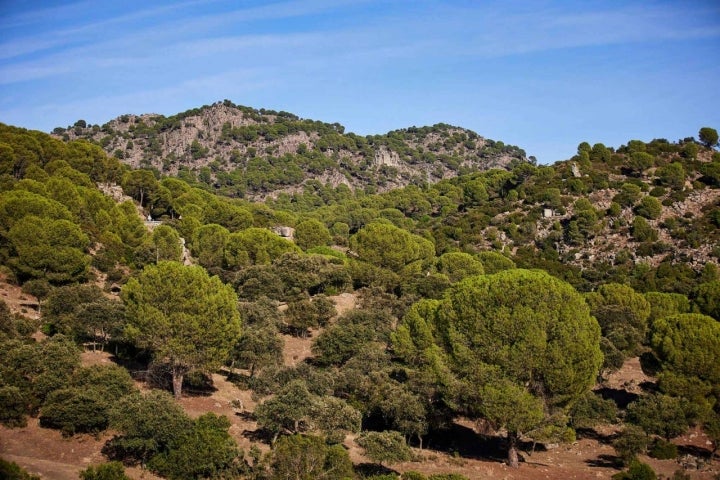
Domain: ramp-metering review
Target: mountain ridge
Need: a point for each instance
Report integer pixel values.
(245, 152)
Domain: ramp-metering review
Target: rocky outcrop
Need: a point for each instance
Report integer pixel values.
(224, 137)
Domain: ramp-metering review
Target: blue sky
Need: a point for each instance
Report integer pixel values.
(543, 75)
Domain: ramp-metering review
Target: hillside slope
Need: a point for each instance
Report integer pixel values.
(251, 153)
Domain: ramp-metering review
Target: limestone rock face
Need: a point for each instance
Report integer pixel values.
(287, 152)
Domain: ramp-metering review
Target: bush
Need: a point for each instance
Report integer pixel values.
(385, 447)
(663, 450)
(629, 443)
(206, 450)
(13, 471)
(148, 424)
(592, 409)
(308, 457)
(75, 411)
(637, 471)
(104, 471)
(13, 407)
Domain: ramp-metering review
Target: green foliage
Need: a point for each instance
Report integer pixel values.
(663, 450)
(507, 405)
(672, 175)
(636, 471)
(14, 326)
(666, 304)
(312, 233)
(13, 471)
(258, 348)
(458, 265)
(622, 314)
(166, 244)
(84, 313)
(255, 246)
(649, 207)
(639, 162)
(111, 381)
(306, 457)
(148, 424)
(708, 136)
(75, 411)
(412, 475)
(642, 231)
(707, 298)
(335, 418)
(208, 245)
(591, 409)
(507, 337)
(630, 442)
(13, 407)
(104, 471)
(494, 262)
(522, 321)
(155, 431)
(390, 247)
(303, 275)
(288, 411)
(206, 450)
(185, 317)
(83, 406)
(139, 184)
(37, 369)
(308, 313)
(688, 345)
(659, 415)
(340, 342)
(385, 447)
(50, 249)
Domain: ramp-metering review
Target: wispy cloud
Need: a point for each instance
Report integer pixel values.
(372, 60)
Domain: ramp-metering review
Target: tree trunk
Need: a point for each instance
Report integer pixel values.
(513, 450)
(177, 379)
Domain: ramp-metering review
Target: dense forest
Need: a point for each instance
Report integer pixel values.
(497, 295)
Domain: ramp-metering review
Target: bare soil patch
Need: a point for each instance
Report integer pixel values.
(18, 301)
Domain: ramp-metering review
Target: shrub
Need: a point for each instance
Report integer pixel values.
(663, 450)
(592, 409)
(13, 471)
(629, 443)
(12, 407)
(637, 471)
(104, 471)
(308, 457)
(385, 447)
(75, 411)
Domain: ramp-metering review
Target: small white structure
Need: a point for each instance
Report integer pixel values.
(548, 212)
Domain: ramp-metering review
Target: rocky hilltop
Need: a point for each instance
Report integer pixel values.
(244, 152)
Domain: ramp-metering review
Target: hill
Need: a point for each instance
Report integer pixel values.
(474, 316)
(244, 152)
